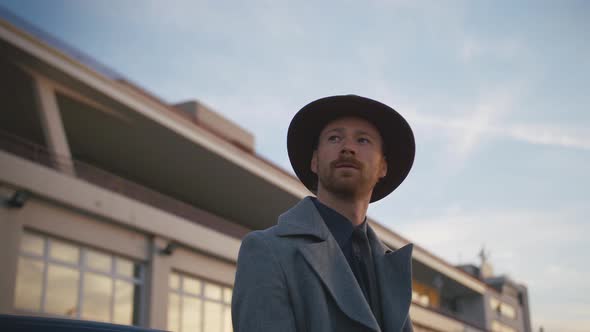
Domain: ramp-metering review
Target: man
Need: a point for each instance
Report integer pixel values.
(322, 268)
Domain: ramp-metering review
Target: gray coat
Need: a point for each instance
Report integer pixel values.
(294, 277)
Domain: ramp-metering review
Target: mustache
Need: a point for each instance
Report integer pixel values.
(346, 161)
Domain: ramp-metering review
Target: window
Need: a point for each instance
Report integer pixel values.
(423, 299)
(60, 278)
(502, 308)
(195, 305)
(425, 295)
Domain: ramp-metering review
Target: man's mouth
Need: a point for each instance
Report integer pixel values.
(346, 164)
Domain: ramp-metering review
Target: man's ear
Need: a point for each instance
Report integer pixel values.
(383, 170)
(314, 162)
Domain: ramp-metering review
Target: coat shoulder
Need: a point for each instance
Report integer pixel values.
(271, 237)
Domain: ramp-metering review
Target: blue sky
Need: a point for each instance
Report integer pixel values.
(496, 91)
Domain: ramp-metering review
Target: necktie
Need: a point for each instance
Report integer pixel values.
(364, 260)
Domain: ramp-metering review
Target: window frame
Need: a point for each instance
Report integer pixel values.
(181, 293)
(82, 268)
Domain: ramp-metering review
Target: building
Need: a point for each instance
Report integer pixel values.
(119, 207)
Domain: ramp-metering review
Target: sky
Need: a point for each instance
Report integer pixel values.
(495, 91)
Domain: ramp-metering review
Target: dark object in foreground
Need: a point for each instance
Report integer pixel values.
(42, 324)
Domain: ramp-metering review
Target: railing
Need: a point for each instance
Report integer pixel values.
(99, 177)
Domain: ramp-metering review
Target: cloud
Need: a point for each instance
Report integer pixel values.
(472, 49)
(468, 130)
(466, 126)
(476, 122)
(548, 135)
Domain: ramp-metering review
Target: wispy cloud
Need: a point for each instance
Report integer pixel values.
(506, 48)
(477, 121)
(466, 126)
(548, 135)
(470, 129)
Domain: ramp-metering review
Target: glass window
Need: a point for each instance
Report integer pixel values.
(61, 296)
(97, 295)
(494, 304)
(227, 295)
(64, 252)
(227, 327)
(213, 291)
(213, 316)
(424, 300)
(32, 244)
(425, 294)
(191, 285)
(507, 311)
(196, 305)
(29, 284)
(502, 308)
(173, 312)
(126, 268)
(61, 278)
(98, 261)
(191, 314)
(174, 281)
(125, 293)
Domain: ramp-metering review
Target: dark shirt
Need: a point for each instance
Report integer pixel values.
(359, 256)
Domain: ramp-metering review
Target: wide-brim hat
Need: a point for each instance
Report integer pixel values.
(398, 140)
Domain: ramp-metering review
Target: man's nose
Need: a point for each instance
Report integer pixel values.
(347, 147)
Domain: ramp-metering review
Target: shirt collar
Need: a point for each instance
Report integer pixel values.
(340, 227)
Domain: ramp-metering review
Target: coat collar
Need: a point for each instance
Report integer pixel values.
(393, 268)
(394, 276)
(303, 219)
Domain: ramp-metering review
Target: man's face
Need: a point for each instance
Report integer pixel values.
(349, 158)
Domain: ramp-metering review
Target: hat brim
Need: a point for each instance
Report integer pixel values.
(397, 136)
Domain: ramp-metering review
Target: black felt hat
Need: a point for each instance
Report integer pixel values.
(398, 140)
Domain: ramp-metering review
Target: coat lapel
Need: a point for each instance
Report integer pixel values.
(394, 275)
(327, 260)
(329, 263)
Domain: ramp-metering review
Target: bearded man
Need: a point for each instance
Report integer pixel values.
(322, 267)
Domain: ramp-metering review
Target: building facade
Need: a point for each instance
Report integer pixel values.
(119, 207)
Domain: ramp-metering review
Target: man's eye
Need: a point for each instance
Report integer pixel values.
(334, 138)
(364, 140)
